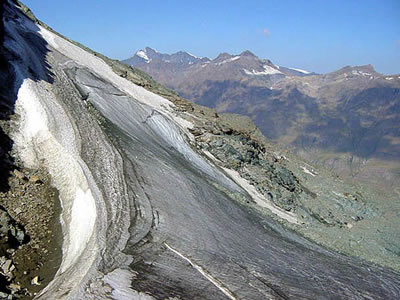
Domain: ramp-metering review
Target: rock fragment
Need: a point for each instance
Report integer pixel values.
(19, 175)
(35, 280)
(35, 179)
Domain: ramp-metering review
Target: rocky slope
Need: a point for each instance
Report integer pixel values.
(166, 199)
(347, 120)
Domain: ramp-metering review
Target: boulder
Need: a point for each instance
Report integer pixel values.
(35, 179)
(19, 175)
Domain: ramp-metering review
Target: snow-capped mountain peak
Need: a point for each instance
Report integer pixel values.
(149, 55)
(143, 54)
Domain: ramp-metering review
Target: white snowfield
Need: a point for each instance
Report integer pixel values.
(268, 70)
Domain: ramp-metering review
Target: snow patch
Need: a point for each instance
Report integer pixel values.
(228, 60)
(49, 37)
(307, 171)
(35, 120)
(360, 73)
(389, 78)
(194, 56)
(300, 70)
(279, 156)
(142, 54)
(258, 198)
(268, 70)
(83, 216)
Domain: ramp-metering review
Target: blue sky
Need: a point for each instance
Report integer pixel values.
(317, 35)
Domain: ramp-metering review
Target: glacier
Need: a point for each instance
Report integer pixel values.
(145, 216)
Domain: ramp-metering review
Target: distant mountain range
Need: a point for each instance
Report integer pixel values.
(348, 120)
(183, 66)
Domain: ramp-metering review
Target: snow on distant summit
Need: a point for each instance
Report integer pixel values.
(192, 55)
(142, 54)
(246, 64)
(228, 60)
(300, 70)
(149, 55)
(152, 61)
(268, 70)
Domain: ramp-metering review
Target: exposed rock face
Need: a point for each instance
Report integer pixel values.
(12, 235)
(347, 120)
(239, 152)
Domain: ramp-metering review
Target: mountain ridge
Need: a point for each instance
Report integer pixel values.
(243, 53)
(291, 107)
